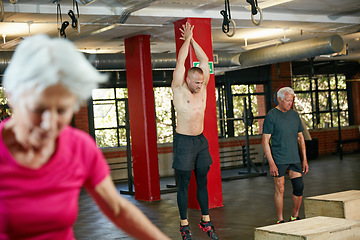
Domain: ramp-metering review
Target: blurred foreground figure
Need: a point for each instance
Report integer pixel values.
(44, 162)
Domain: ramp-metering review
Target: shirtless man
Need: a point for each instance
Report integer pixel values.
(191, 149)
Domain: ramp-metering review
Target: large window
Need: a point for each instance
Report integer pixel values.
(164, 114)
(4, 109)
(110, 113)
(322, 100)
(109, 109)
(110, 116)
(231, 109)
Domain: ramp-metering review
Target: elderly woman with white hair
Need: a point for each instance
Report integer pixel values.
(44, 162)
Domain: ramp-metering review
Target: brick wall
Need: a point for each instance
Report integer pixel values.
(327, 137)
(114, 153)
(234, 142)
(261, 104)
(280, 76)
(81, 119)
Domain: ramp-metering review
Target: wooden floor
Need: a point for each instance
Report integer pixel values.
(248, 203)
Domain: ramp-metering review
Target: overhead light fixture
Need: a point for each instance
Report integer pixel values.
(270, 3)
(11, 43)
(85, 2)
(285, 39)
(262, 44)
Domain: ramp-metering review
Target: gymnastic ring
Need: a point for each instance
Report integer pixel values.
(13, 1)
(2, 11)
(234, 29)
(261, 17)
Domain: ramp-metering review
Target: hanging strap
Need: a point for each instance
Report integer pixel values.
(64, 24)
(254, 6)
(75, 21)
(58, 16)
(2, 11)
(254, 10)
(227, 20)
(226, 15)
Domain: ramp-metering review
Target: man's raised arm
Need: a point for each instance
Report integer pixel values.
(179, 72)
(203, 59)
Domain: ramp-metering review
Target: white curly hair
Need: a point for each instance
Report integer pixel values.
(40, 61)
(282, 91)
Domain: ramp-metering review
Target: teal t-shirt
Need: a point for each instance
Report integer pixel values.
(284, 128)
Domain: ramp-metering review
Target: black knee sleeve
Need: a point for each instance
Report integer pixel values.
(298, 186)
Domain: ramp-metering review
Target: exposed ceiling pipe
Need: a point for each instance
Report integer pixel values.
(116, 62)
(127, 12)
(292, 51)
(281, 53)
(5, 60)
(158, 60)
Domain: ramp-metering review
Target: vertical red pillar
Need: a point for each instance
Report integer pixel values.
(202, 35)
(142, 118)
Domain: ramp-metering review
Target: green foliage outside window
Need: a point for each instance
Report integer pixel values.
(163, 96)
(252, 96)
(3, 99)
(320, 99)
(4, 110)
(110, 116)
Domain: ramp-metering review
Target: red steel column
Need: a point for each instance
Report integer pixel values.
(142, 118)
(202, 35)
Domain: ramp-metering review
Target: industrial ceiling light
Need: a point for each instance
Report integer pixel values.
(85, 2)
(270, 33)
(271, 3)
(11, 43)
(261, 44)
(285, 39)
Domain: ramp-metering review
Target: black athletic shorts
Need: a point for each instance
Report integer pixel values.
(190, 152)
(282, 168)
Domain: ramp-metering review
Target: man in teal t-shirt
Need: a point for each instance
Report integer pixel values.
(282, 134)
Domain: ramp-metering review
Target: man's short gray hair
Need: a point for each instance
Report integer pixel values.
(282, 91)
(40, 62)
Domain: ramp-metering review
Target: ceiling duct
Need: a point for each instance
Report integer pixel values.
(292, 51)
(158, 60)
(275, 54)
(5, 57)
(127, 12)
(116, 62)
